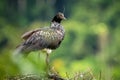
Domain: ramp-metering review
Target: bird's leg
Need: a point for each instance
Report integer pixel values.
(47, 63)
(47, 60)
(47, 51)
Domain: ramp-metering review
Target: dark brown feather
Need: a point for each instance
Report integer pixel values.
(26, 35)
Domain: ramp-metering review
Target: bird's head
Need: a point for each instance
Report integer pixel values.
(58, 17)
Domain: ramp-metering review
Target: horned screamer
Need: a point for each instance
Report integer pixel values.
(47, 38)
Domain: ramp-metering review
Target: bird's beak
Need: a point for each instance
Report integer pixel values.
(64, 18)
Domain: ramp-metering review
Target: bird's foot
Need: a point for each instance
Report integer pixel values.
(55, 77)
(53, 74)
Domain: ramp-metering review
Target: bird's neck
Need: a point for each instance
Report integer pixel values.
(55, 25)
(55, 19)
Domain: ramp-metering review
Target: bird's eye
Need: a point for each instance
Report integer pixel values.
(61, 15)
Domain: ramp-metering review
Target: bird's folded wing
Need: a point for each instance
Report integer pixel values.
(43, 38)
(28, 34)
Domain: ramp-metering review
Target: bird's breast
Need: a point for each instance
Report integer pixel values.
(54, 39)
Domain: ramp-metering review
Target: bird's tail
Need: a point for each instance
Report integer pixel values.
(18, 53)
(19, 50)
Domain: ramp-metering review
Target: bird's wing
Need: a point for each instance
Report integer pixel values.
(44, 38)
(26, 35)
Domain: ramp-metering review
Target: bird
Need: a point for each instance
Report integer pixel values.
(46, 38)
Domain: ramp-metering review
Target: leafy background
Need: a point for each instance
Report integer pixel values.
(92, 39)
